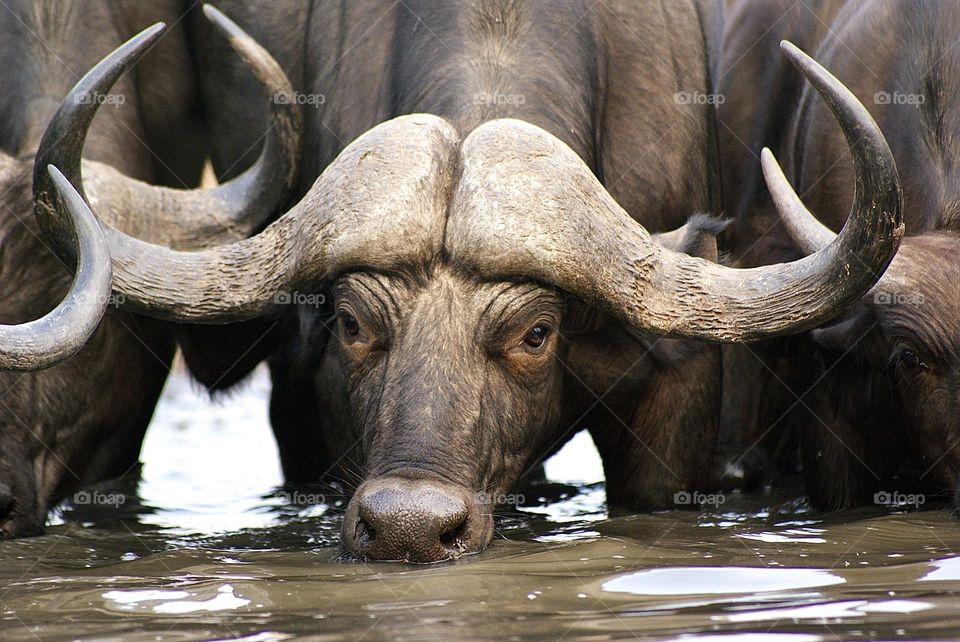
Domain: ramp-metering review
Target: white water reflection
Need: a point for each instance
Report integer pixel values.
(829, 611)
(791, 535)
(577, 462)
(174, 602)
(754, 637)
(209, 463)
(719, 580)
(944, 570)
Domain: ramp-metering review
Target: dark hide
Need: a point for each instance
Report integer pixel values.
(886, 389)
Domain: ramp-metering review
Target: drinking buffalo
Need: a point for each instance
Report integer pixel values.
(886, 391)
(81, 420)
(485, 281)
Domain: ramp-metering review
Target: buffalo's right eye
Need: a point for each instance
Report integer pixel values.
(536, 338)
(349, 324)
(910, 360)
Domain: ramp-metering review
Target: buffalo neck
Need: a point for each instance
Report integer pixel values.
(478, 61)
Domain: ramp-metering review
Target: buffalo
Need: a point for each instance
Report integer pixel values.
(485, 259)
(68, 422)
(881, 379)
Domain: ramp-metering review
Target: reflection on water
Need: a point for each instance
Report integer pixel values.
(210, 547)
(719, 580)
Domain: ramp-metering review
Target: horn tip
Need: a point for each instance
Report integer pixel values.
(768, 161)
(221, 21)
(794, 54)
(209, 10)
(149, 35)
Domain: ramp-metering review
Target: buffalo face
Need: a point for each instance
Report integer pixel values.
(452, 388)
(903, 340)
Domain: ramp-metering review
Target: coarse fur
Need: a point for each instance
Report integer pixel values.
(882, 392)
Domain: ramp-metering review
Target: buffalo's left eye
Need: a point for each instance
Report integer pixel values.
(350, 324)
(536, 338)
(910, 360)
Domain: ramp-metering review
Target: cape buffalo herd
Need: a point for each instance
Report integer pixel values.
(460, 232)
(870, 398)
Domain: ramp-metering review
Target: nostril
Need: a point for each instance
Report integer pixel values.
(454, 539)
(364, 533)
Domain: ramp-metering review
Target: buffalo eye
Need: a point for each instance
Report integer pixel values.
(536, 338)
(910, 360)
(349, 324)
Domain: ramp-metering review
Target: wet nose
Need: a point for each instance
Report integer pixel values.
(415, 520)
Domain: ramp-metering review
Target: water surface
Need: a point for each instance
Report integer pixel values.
(208, 546)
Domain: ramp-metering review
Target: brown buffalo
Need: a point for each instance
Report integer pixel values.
(485, 281)
(82, 419)
(882, 380)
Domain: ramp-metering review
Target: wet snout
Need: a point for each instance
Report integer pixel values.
(397, 517)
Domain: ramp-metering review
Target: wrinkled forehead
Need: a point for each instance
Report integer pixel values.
(918, 296)
(442, 289)
(926, 265)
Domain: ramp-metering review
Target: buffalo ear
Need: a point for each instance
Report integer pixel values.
(844, 332)
(698, 237)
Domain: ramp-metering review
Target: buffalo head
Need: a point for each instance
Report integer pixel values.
(903, 340)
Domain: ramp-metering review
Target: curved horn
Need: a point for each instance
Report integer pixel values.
(803, 227)
(184, 219)
(63, 332)
(808, 233)
(380, 204)
(527, 206)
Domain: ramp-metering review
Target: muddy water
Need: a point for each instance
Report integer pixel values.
(206, 547)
